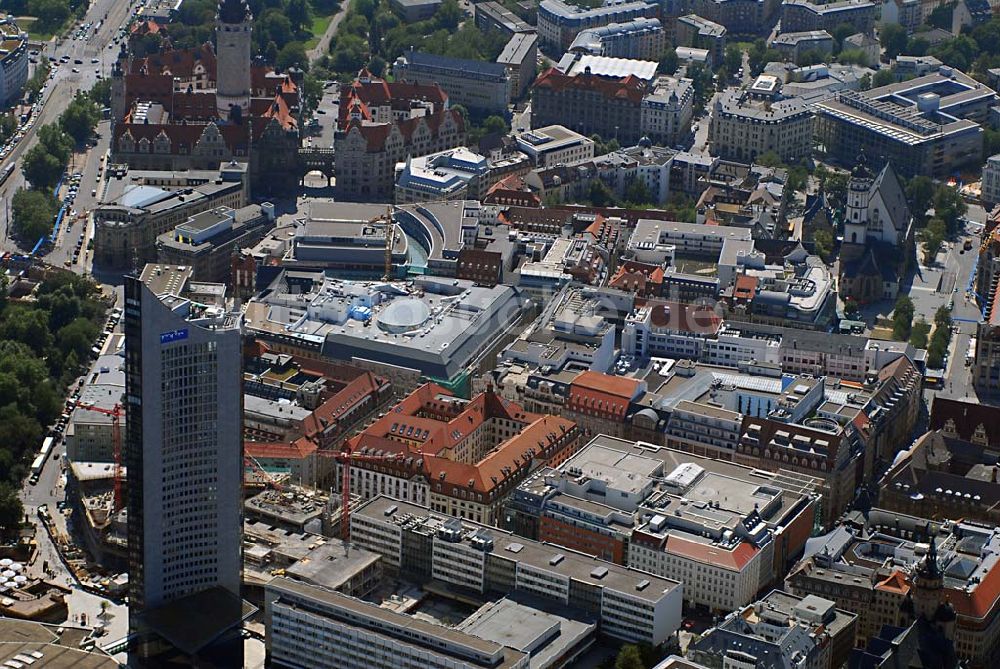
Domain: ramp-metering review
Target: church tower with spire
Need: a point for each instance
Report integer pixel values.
(234, 29)
(925, 602)
(858, 193)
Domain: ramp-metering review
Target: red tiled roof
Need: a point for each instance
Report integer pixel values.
(184, 137)
(146, 28)
(376, 134)
(300, 448)
(896, 581)
(981, 601)
(734, 560)
(602, 393)
(334, 408)
(745, 288)
(278, 109)
(377, 93)
(629, 88)
(633, 273)
(179, 63)
(430, 437)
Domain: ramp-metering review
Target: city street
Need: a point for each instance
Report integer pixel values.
(66, 83)
(77, 224)
(49, 489)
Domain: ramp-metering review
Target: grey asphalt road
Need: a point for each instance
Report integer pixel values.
(67, 83)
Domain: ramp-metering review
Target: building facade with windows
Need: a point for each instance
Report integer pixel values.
(184, 454)
(628, 604)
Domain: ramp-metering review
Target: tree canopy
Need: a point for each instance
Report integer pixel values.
(41, 344)
(32, 213)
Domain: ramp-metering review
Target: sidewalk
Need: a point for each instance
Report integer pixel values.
(323, 46)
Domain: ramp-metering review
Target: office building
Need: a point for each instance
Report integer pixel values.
(629, 605)
(642, 39)
(512, 632)
(559, 22)
(554, 145)
(89, 434)
(453, 174)
(803, 15)
(138, 206)
(317, 627)
(646, 507)
(930, 125)
(739, 17)
(942, 474)
(481, 87)
(207, 241)
(184, 454)
(748, 123)
(692, 30)
(13, 62)
(571, 330)
(658, 242)
(460, 457)
(587, 103)
(520, 58)
(490, 16)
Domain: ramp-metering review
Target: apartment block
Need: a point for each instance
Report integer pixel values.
(794, 45)
(642, 39)
(739, 17)
(803, 15)
(748, 123)
(991, 180)
(559, 23)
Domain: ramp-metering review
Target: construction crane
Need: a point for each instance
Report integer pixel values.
(386, 222)
(116, 412)
(252, 463)
(345, 458)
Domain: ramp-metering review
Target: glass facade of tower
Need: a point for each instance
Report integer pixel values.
(184, 444)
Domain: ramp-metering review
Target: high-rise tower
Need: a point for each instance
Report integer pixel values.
(233, 32)
(184, 458)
